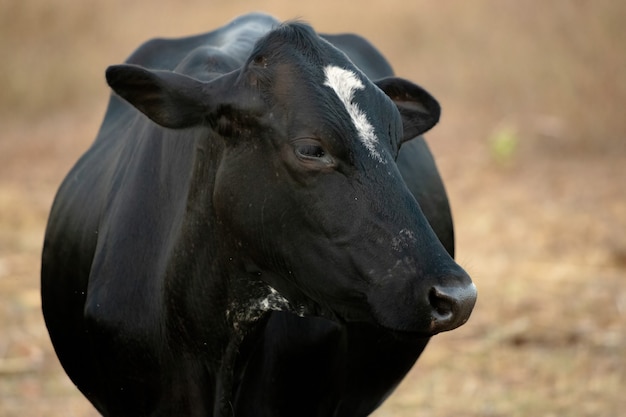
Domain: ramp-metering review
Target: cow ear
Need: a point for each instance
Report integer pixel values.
(169, 99)
(418, 109)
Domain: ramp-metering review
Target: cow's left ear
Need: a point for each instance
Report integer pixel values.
(419, 110)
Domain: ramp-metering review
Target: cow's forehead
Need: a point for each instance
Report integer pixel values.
(345, 83)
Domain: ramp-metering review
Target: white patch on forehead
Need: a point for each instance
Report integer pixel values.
(345, 83)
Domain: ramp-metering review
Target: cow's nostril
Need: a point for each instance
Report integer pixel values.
(451, 306)
(442, 303)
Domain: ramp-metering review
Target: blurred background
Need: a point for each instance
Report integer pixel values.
(531, 145)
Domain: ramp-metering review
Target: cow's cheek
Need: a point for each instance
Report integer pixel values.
(236, 198)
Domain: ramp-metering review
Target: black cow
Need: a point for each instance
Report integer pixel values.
(252, 250)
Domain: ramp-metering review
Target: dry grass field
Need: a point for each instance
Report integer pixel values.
(532, 146)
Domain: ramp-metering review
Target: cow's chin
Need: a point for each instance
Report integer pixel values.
(357, 319)
(362, 318)
(355, 314)
(399, 321)
(398, 331)
(366, 321)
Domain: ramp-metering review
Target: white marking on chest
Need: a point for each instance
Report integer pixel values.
(243, 314)
(345, 83)
(273, 301)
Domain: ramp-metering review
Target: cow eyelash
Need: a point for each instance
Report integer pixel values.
(311, 150)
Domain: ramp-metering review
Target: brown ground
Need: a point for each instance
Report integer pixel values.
(532, 146)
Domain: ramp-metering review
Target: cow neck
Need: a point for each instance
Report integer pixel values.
(198, 296)
(204, 262)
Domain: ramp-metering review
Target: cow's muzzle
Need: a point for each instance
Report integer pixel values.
(433, 304)
(451, 306)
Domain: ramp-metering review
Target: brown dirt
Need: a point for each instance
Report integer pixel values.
(532, 146)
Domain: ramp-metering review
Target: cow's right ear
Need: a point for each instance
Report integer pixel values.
(169, 99)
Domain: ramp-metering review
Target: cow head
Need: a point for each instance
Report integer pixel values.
(307, 187)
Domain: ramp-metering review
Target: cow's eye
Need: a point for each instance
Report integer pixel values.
(311, 150)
